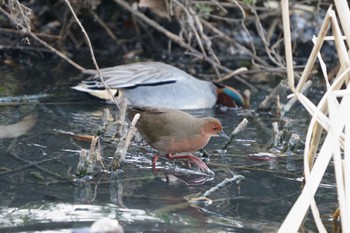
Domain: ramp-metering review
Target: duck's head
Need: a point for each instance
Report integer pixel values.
(230, 97)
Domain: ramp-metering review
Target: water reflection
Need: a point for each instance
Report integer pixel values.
(61, 212)
(40, 192)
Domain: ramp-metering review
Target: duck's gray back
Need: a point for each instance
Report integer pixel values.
(185, 92)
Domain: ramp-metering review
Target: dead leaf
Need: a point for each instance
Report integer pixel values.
(158, 7)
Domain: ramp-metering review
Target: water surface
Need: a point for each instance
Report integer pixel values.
(40, 193)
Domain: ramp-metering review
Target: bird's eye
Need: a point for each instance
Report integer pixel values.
(215, 128)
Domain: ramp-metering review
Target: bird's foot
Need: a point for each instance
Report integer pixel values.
(154, 161)
(202, 166)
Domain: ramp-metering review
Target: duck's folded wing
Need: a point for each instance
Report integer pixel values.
(132, 75)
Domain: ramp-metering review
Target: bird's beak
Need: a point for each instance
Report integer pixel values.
(224, 135)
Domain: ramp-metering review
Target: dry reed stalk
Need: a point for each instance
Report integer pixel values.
(329, 116)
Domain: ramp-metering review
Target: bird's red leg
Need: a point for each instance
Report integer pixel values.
(192, 158)
(154, 161)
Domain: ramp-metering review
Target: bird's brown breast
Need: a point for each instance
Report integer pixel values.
(181, 144)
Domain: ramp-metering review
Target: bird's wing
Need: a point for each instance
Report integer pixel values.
(132, 75)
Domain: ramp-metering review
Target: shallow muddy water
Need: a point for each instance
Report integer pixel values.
(39, 193)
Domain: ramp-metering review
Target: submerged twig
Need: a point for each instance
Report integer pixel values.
(279, 134)
(278, 107)
(81, 163)
(203, 199)
(29, 164)
(99, 153)
(116, 189)
(104, 120)
(280, 89)
(235, 178)
(294, 142)
(286, 108)
(121, 124)
(88, 158)
(119, 156)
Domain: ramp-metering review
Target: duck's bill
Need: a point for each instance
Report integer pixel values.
(224, 135)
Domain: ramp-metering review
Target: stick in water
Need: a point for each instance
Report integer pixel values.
(119, 156)
(238, 129)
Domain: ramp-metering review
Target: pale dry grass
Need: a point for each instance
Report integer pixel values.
(329, 117)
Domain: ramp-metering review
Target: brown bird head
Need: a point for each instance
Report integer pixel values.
(213, 127)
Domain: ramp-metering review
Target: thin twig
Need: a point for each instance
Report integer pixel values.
(36, 165)
(233, 73)
(58, 53)
(237, 178)
(108, 30)
(190, 22)
(56, 37)
(224, 68)
(245, 28)
(178, 40)
(238, 129)
(276, 59)
(233, 42)
(92, 53)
